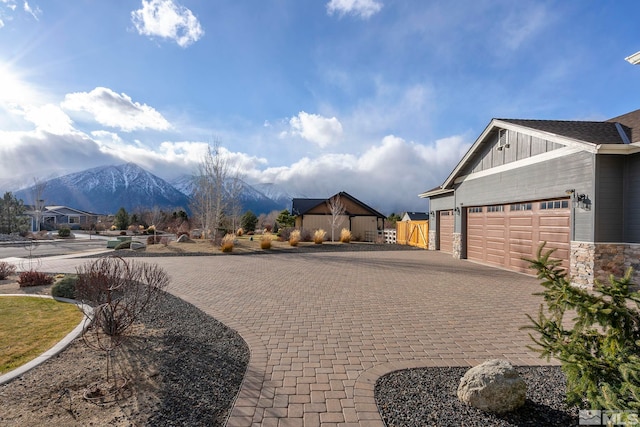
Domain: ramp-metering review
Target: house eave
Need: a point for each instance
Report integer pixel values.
(622, 149)
(437, 192)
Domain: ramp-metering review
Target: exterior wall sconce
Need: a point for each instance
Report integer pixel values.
(579, 200)
(582, 201)
(432, 214)
(457, 209)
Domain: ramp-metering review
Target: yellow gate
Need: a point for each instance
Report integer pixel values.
(413, 233)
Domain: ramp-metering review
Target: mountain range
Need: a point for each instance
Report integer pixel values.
(106, 189)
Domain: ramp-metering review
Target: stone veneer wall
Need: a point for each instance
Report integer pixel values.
(432, 240)
(457, 245)
(591, 261)
(581, 263)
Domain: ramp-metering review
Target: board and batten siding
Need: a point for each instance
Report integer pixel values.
(632, 200)
(608, 201)
(521, 146)
(538, 181)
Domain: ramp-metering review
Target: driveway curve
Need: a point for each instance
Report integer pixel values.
(323, 327)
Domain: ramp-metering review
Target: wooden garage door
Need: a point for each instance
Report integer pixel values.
(504, 234)
(445, 231)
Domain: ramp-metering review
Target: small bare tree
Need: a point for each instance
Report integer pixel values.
(117, 292)
(38, 201)
(211, 199)
(235, 186)
(337, 210)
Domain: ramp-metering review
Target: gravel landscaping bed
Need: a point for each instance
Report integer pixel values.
(302, 249)
(184, 368)
(427, 397)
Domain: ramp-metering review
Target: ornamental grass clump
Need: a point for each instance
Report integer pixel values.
(294, 238)
(265, 241)
(345, 236)
(226, 245)
(598, 341)
(318, 236)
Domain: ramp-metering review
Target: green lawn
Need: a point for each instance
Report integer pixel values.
(30, 326)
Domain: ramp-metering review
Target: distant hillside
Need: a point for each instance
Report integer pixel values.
(107, 188)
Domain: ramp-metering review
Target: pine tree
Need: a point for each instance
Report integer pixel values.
(597, 342)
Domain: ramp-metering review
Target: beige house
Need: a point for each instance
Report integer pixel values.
(364, 222)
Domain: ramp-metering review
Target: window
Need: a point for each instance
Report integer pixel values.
(521, 207)
(445, 213)
(475, 209)
(554, 204)
(74, 220)
(495, 208)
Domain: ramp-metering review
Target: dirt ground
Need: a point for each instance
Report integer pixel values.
(53, 393)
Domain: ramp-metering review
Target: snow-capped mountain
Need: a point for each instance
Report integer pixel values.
(276, 193)
(250, 196)
(107, 188)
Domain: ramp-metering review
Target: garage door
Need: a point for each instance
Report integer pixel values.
(445, 231)
(502, 235)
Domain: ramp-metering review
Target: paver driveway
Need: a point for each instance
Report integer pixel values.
(323, 327)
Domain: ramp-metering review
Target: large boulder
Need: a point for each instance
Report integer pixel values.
(493, 386)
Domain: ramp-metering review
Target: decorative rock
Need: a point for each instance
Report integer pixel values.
(136, 245)
(493, 386)
(184, 239)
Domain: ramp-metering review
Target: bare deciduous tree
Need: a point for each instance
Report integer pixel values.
(38, 202)
(337, 210)
(211, 198)
(235, 186)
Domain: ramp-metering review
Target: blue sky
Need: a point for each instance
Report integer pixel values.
(379, 98)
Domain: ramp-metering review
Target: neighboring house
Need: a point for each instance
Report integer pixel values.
(363, 221)
(413, 229)
(573, 184)
(52, 217)
(415, 216)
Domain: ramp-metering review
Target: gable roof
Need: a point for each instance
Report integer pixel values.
(302, 206)
(592, 132)
(615, 135)
(415, 216)
(632, 121)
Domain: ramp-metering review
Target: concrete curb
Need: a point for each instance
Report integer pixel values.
(11, 375)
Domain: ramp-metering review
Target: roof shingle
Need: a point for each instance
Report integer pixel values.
(594, 132)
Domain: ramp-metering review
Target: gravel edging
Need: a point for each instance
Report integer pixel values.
(427, 397)
(203, 365)
(324, 248)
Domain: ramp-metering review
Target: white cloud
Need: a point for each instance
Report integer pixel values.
(523, 25)
(314, 128)
(388, 176)
(361, 8)
(49, 118)
(115, 110)
(10, 6)
(31, 11)
(167, 19)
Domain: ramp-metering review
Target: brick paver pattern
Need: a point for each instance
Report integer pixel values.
(323, 327)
